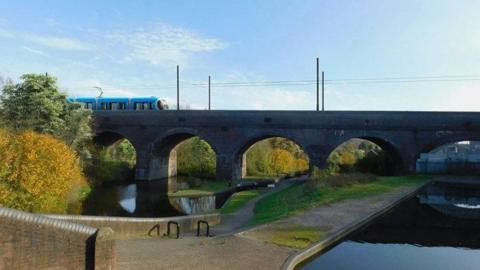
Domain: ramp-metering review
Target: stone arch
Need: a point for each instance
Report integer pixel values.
(163, 157)
(107, 138)
(447, 139)
(385, 144)
(239, 152)
(446, 163)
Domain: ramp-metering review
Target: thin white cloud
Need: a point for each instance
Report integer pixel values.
(61, 43)
(164, 44)
(5, 33)
(34, 51)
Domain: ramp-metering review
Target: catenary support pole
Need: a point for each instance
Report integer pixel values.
(323, 91)
(209, 94)
(317, 85)
(178, 88)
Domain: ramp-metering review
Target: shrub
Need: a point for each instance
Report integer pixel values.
(39, 173)
(321, 178)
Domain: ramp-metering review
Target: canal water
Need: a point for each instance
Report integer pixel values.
(148, 199)
(438, 229)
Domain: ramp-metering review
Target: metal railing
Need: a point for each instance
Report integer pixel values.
(199, 223)
(176, 226)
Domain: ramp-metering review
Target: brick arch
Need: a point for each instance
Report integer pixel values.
(110, 137)
(163, 158)
(177, 135)
(445, 139)
(239, 158)
(390, 147)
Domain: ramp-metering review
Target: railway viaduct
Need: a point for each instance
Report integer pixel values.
(404, 135)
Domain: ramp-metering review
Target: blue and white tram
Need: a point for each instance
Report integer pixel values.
(121, 104)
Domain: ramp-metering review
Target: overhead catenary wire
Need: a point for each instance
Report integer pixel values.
(347, 81)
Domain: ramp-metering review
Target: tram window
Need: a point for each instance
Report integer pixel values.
(122, 106)
(89, 105)
(106, 106)
(143, 106)
(114, 106)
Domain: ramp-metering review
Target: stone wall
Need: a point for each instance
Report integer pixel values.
(126, 227)
(31, 241)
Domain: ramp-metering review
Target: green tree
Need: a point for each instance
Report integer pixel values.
(196, 158)
(37, 104)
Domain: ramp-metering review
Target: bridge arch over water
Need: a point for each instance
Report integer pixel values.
(390, 148)
(403, 134)
(241, 148)
(448, 138)
(161, 160)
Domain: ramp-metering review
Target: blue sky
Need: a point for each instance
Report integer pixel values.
(131, 48)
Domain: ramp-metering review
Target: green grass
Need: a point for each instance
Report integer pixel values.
(294, 236)
(205, 188)
(238, 200)
(301, 196)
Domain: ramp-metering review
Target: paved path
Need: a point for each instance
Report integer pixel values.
(231, 252)
(243, 250)
(225, 251)
(232, 223)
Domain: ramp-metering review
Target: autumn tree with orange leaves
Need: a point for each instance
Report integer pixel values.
(38, 173)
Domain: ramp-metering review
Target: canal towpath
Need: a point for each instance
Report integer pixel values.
(246, 249)
(235, 222)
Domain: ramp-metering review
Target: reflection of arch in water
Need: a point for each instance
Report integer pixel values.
(459, 200)
(464, 211)
(127, 197)
(421, 225)
(152, 200)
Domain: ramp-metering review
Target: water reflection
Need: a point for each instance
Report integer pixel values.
(127, 197)
(427, 232)
(147, 199)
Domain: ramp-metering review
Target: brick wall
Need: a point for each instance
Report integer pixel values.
(126, 227)
(30, 241)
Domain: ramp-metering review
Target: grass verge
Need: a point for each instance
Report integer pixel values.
(293, 236)
(238, 200)
(301, 196)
